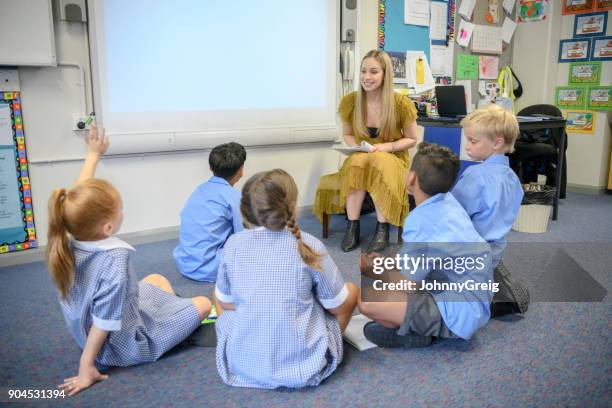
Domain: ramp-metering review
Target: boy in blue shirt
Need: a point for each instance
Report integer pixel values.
(211, 215)
(491, 194)
(450, 298)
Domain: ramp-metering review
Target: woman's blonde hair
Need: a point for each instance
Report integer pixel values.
(387, 121)
(494, 121)
(269, 200)
(78, 211)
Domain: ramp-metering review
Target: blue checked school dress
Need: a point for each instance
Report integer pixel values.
(280, 334)
(143, 321)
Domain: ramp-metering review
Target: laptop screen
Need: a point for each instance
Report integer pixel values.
(451, 100)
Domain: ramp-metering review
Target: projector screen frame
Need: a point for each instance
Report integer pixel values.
(171, 139)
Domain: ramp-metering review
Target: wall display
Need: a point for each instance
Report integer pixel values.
(398, 60)
(599, 98)
(577, 6)
(590, 25)
(467, 66)
(601, 49)
(584, 73)
(574, 50)
(571, 97)
(603, 5)
(17, 231)
(532, 10)
(488, 67)
(580, 121)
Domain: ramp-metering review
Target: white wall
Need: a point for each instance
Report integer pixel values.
(535, 62)
(153, 187)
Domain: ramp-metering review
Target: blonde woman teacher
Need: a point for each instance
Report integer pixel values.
(387, 120)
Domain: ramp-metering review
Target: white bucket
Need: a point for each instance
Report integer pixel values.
(532, 218)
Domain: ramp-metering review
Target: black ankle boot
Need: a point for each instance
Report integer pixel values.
(380, 240)
(351, 236)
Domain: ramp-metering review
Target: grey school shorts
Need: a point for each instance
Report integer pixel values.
(423, 317)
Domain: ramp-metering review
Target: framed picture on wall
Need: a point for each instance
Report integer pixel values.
(584, 73)
(574, 50)
(578, 6)
(590, 25)
(580, 121)
(603, 5)
(599, 98)
(602, 49)
(571, 97)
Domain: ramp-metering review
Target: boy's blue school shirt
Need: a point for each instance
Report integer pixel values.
(491, 194)
(210, 216)
(440, 227)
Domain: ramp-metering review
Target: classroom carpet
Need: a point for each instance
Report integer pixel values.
(558, 354)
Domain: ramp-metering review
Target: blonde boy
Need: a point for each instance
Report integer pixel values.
(491, 194)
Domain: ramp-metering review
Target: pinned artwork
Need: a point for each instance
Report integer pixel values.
(532, 10)
(493, 12)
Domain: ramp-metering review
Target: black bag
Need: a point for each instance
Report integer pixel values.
(538, 194)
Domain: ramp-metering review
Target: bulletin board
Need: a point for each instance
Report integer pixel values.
(17, 230)
(394, 35)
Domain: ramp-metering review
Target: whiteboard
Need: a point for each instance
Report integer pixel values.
(169, 78)
(26, 33)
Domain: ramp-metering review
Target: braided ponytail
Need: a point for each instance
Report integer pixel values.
(310, 257)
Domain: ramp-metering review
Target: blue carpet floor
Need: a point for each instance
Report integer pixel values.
(558, 354)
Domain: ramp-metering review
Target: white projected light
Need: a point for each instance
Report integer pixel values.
(200, 72)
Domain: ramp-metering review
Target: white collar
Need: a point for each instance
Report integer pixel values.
(105, 244)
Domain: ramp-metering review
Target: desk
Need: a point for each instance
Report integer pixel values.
(448, 133)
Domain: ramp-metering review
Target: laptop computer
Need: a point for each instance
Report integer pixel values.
(451, 101)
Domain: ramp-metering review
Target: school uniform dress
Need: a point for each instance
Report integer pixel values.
(143, 321)
(280, 334)
(210, 216)
(381, 174)
(439, 227)
(491, 194)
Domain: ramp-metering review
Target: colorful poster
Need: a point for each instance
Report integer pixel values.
(600, 98)
(467, 66)
(581, 73)
(602, 49)
(580, 121)
(571, 97)
(398, 61)
(590, 25)
(603, 5)
(574, 50)
(488, 67)
(532, 10)
(578, 6)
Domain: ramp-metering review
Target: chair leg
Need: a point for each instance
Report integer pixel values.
(400, 232)
(325, 225)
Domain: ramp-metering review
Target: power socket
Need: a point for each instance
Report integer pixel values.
(81, 122)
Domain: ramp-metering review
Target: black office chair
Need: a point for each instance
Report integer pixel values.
(536, 151)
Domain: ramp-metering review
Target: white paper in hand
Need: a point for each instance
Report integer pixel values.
(363, 147)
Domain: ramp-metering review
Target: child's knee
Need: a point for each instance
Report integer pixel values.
(202, 305)
(368, 309)
(156, 279)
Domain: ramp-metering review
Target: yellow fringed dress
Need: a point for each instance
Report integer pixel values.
(381, 174)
